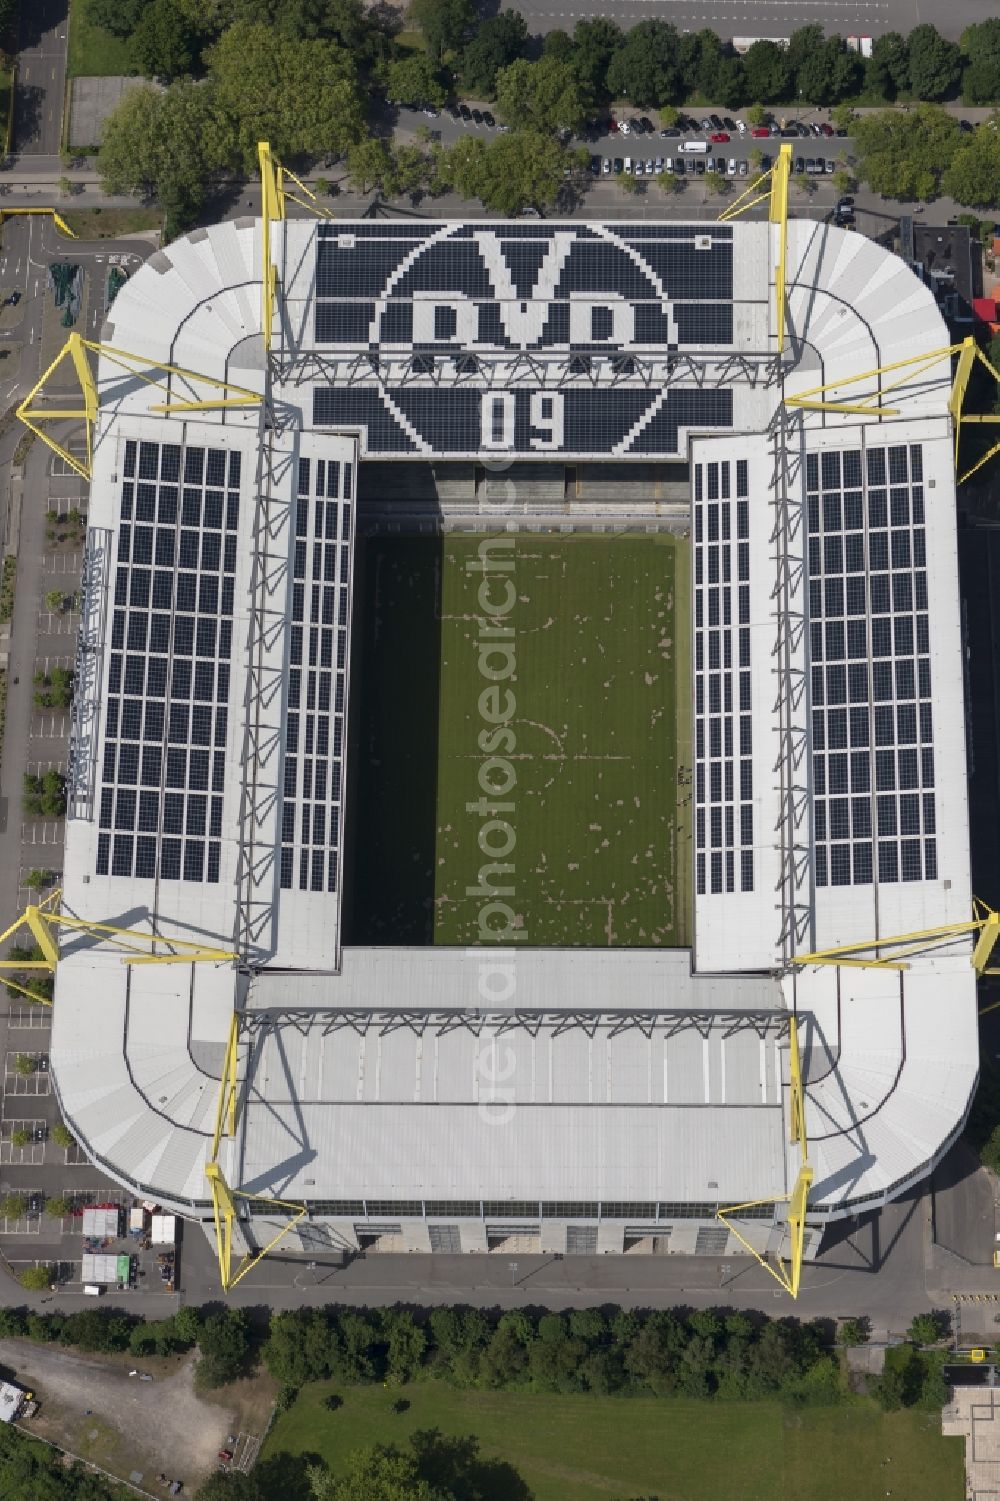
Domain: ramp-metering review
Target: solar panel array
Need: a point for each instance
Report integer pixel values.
(457, 298)
(872, 725)
(723, 772)
(317, 694)
(163, 775)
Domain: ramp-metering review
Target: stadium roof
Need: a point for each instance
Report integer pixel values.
(830, 795)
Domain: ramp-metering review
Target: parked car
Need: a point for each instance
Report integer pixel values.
(430, 111)
(699, 166)
(826, 129)
(719, 137)
(14, 299)
(760, 133)
(639, 168)
(731, 170)
(628, 166)
(728, 123)
(716, 121)
(595, 165)
(647, 124)
(707, 124)
(454, 112)
(477, 116)
(670, 132)
(845, 209)
(618, 166)
(811, 164)
(606, 167)
(744, 168)
(742, 127)
(465, 112)
(800, 165)
(613, 126)
(488, 119)
(690, 166)
(624, 127)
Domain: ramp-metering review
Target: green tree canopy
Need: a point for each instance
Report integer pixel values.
(595, 43)
(120, 17)
(768, 72)
(542, 96)
(383, 1473)
(935, 63)
(444, 23)
(499, 41)
(164, 44)
(973, 178)
(644, 68)
(887, 71)
(302, 96)
(904, 155)
(35, 1279)
(414, 79)
(224, 1342)
(981, 79)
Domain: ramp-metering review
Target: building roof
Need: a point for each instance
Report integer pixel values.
(637, 1075)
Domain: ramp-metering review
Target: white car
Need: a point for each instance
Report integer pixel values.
(606, 167)
(668, 165)
(628, 164)
(624, 127)
(650, 167)
(741, 127)
(639, 167)
(659, 164)
(731, 169)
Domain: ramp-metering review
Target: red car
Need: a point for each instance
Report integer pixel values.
(719, 137)
(613, 126)
(826, 129)
(760, 132)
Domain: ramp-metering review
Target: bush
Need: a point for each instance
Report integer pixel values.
(20, 1137)
(927, 1329)
(59, 1207)
(36, 1278)
(45, 796)
(13, 1206)
(25, 1065)
(224, 1342)
(62, 1135)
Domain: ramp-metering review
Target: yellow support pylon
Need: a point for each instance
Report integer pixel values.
(76, 349)
(775, 195)
(273, 198)
(798, 1200)
(44, 921)
(224, 1208)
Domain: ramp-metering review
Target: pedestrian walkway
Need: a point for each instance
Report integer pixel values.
(974, 1414)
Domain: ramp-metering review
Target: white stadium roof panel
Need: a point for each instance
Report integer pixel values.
(829, 798)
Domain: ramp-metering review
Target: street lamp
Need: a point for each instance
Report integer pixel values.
(513, 1273)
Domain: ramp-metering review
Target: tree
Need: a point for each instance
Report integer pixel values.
(369, 166)
(415, 80)
(65, 186)
(45, 796)
(668, 181)
(302, 96)
(224, 1343)
(120, 17)
(35, 1278)
(498, 42)
(231, 1485)
(889, 1388)
(595, 43)
(715, 182)
(973, 178)
(55, 599)
(59, 1207)
(843, 181)
(644, 68)
(730, 83)
(935, 63)
(768, 74)
(444, 23)
(36, 880)
(379, 1474)
(405, 1345)
(164, 44)
(13, 1206)
(887, 71)
(926, 1329)
(981, 79)
(542, 96)
(167, 144)
(25, 1065)
(851, 1332)
(20, 1137)
(828, 72)
(62, 1135)
(904, 155)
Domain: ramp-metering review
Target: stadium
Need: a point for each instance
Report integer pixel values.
(511, 690)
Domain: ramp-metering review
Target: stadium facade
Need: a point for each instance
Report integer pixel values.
(434, 1099)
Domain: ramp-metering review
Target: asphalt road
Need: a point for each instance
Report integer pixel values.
(41, 76)
(760, 18)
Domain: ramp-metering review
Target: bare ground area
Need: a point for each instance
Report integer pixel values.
(92, 1407)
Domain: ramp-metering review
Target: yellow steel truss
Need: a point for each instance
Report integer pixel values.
(788, 1277)
(894, 952)
(224, 1207)
(821, 399)
(273, 198)
(43, 921)
(776, 197)
(58, 221)
(75, 349)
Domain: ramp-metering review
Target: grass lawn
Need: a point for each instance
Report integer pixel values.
(110, 223)
(599, 628)
(609, 1449)
(94, 52)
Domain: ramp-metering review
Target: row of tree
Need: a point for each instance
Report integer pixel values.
(923, 152)
(223, 1336)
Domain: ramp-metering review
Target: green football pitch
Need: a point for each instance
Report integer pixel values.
(589, 714)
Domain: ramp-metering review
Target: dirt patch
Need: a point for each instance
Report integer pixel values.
(92, 1407)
